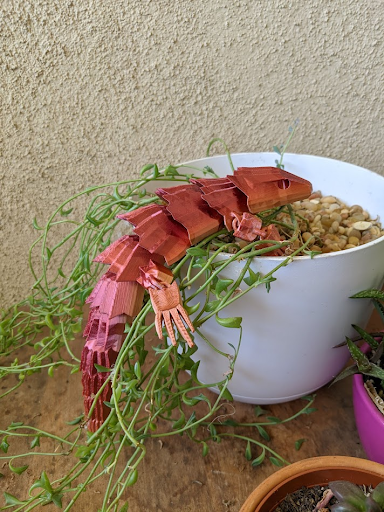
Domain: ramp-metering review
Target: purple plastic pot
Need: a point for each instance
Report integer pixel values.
(369, 420)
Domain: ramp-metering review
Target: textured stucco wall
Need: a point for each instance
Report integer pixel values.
(92, 90)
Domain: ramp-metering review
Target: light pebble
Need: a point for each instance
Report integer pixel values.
(353, 240)
(357, 217)
(328, 199)
(362, 225)
(336, 216)
(335, 226)
(375, 231)
(306, 236)
(353, 232)
(365, 238)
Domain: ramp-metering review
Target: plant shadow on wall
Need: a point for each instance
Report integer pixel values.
(151, 394)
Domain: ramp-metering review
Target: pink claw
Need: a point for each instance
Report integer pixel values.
(166, 303)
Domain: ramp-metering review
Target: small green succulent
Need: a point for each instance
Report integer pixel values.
(372, 363)
(351, 498)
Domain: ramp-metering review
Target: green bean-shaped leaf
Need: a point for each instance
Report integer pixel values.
(170, 170)
(179, 423)
(65, 213)
(117, 393)
(35, 442)
(146, 168)
(43, 483)
(137, 370)
(264, 434)
(233, 322)
(193, 371)
(259, 460)
(252, 278)
(102, 369)
(276, 149)
(191, 419)
(222, 284)
(130, 385)
(196, 251)
(276, 462)
(4, 445)
(273, 419)
(12, 500)
(310, 410)
(212, 305)
(18, 470)
(132, 479)
(192, 309)
(35, 225)
(190, 401)
(226, 395)
(56, 499)
(259, 411)
(230, 423)
(248, 451)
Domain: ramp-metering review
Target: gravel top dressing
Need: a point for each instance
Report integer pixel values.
(335, 225)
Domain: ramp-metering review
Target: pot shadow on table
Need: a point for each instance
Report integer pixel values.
(174, 475)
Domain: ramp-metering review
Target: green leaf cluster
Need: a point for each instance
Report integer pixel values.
(367, 362)
(351, 498)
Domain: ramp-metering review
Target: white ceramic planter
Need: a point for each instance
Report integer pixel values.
(289, 334)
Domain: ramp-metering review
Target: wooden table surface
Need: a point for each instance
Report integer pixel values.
(174, 476)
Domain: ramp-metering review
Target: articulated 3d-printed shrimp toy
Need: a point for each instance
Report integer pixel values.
(162, 235)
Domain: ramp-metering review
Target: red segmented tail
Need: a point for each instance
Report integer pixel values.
(104, 338)
(92, 381)
(113, 304)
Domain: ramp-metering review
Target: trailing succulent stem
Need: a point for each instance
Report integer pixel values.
(152, 396)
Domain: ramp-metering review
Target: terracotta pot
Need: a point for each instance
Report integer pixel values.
(310, 472)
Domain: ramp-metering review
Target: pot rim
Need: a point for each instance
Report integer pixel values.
(326, 159)
(295, 470)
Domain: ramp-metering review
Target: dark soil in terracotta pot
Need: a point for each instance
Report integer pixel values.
(303, 500)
